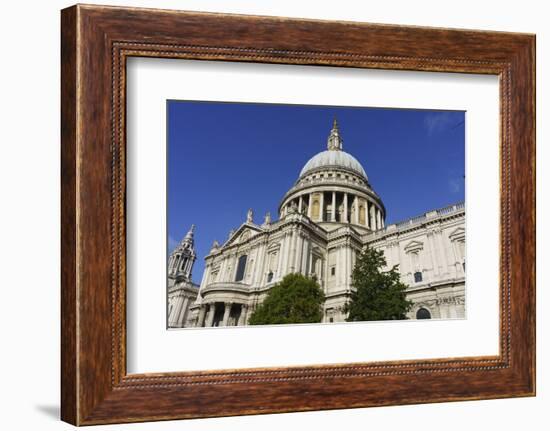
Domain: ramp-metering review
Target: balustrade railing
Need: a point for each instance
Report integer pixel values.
(451, 209)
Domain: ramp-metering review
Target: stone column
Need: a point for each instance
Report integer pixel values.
(281, 256)
(305, 257)
(211, 312)
(205, 275)
(345, 207)
(299, 246)
(260, 262)
(396, 253)
(202, 314)
(286, 255)
(300, 204)
(226, 311)
(443, 252)
(291, 263)
(349, 267)
(322, 206)
(425, 263)
(340, 264)
(223, 270)
(175, 263)
(171, 311)
(431, 245)
(309, 206)
(242, 316)
(378, 220)
(333, 212)
(185, 265)
(356, 212)
(170, 264)
(372, 219)
(181, 317)
(366, 213)
(177, 310)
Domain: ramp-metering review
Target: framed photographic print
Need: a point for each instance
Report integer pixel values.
(322, 214)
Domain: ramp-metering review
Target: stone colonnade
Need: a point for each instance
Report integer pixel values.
(178, 263)
(334, 206)
(221, 313)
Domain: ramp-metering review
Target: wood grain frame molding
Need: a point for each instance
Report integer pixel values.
(96, 41)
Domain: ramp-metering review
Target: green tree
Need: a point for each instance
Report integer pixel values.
(378, 294)
(295, 299)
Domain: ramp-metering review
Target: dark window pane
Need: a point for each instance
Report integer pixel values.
(240, 268)
(269, 277)
(422, 313)
(417, 277)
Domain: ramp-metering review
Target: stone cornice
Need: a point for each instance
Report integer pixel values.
(186, 286)
(225, 286)
(434, 285)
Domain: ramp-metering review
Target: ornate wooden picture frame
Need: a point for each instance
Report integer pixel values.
(96, 41)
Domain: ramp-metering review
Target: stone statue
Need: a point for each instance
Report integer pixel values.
(249, 216)
(267, 219)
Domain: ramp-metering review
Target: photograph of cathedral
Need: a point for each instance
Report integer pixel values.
(326, 246)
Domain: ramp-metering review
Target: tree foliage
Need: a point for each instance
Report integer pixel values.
(295, 299)
(377, 294)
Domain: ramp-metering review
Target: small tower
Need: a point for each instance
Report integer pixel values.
(335, 141)
(180, 263)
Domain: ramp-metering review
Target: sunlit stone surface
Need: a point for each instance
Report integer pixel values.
(325, 219)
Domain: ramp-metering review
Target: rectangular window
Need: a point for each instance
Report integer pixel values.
(241, 266)
(333, 270)
(417, 277)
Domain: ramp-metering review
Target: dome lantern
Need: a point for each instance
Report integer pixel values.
(334, 157)
(335, 141)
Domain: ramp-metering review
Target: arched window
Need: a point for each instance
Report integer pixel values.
(270, 276)
(423, 313)
(241, 266)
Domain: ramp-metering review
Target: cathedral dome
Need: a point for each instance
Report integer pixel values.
(334, 159)
(333, 189)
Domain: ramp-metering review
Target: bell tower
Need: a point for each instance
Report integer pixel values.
(180, 263)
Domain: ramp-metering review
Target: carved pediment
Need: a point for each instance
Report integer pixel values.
(459, 234)
(243, 234)
(414, 246)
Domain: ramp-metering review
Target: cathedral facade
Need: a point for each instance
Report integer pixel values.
(330, 214)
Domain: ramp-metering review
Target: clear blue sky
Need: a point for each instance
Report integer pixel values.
(224, 158)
